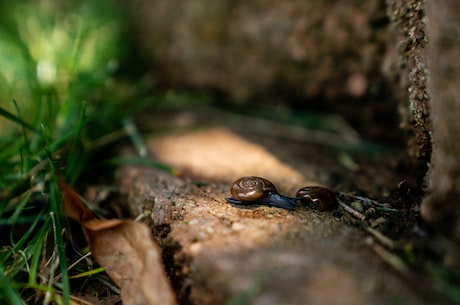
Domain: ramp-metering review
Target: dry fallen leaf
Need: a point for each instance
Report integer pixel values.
(126, 251)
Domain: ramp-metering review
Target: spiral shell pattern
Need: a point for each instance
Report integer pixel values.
(251, 188)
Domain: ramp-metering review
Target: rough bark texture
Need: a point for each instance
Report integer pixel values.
(442, 207)
(408, 20)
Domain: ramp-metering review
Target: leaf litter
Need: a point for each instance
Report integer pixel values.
(125, 249)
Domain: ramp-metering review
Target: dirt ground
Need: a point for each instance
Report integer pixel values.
(218, 253)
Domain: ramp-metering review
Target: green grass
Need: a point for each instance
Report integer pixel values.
(59, 96)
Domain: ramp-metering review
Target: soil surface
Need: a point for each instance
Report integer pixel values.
(219, 253)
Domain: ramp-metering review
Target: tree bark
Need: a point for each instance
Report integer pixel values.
(441, 206)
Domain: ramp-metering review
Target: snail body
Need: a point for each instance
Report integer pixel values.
(318, 197)
(256, 190)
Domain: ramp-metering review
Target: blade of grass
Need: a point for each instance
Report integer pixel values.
(16, 246)
(24, 133)
(5, 113)
(87, 273)
(36, 141)
(25, 148)
(62, 139)
(27, 219)
(15, 187)
(9, 294)
(35, 248)
(19, 208)
(76, 161)
(135, 136)
(55, 199)
(56, 209)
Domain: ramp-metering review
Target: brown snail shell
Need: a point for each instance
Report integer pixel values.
(318, 197)
(251, 188)
(256, 190)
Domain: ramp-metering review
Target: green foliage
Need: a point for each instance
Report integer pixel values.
(58, 60)
(54, 52)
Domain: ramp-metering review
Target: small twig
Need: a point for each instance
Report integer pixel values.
(392, 259)
(382, 239)
(58, 277)
(53, 263)
(133, 133)
(104, 280)
(350, 210)
(384, 209)
(376, 222)
(369, 202)
(80, 301)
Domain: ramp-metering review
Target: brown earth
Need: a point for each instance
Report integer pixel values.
(217, 253)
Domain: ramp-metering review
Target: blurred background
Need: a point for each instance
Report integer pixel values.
(291, 61)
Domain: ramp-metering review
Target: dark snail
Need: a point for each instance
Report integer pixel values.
(256, 190)
(318, 197)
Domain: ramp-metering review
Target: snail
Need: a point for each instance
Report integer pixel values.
(256, 190)
(318, 197)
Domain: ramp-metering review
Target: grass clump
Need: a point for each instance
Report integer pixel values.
(58, 95)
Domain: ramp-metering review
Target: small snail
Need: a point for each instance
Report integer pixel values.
(256, 190)
(318, 197)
